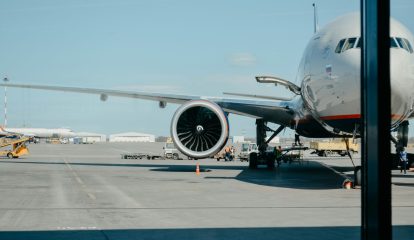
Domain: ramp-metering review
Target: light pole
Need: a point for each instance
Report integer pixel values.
(5, 102)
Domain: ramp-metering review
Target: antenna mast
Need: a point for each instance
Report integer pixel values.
(315, 18)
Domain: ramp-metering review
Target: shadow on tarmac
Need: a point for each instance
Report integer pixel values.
(403, 175)
(303, 233)
(403, 184)
(306, 175)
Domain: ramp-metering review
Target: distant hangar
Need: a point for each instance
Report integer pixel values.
(131, 137)
(87, 137)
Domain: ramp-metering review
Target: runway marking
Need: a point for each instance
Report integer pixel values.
(79, 180)
(90, 195)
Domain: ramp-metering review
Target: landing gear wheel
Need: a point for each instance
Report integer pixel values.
(10, 155)
(253, 160)
(357, 176)
(270, 162)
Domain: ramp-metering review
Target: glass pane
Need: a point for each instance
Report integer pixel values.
(402, 178)
(393, 43)
(339, 46)
(408, 45)
(350, 42)
(402, 44)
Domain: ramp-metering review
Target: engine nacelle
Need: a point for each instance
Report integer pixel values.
(199, 128)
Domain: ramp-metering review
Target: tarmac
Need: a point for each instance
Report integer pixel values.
(88, 192)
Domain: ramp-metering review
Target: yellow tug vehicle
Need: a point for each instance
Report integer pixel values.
(17, 143)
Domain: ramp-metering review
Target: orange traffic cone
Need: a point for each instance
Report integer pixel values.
(347, 184)
(198, 169)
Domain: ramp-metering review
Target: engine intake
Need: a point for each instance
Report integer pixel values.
(199, 128)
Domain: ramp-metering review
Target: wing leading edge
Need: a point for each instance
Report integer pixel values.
(273, 111)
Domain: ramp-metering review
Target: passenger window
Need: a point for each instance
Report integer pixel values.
(350, 42)
(408, 45)
(339, 46)
(393, 43)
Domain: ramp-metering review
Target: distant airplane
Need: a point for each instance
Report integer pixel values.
(40, 132)
(326, 101)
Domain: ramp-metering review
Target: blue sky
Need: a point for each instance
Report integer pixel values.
(187, 47)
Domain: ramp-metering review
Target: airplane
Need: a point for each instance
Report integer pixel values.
(325, 102)
(40, 132)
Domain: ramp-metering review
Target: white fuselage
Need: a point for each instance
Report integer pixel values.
(330, 75)
(42, 132)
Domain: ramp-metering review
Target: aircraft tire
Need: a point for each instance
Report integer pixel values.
(253, 160)
(270, 161)
(357, 176)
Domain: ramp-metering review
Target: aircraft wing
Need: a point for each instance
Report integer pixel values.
(273, 111)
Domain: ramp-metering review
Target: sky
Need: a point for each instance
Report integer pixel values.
(185, 47)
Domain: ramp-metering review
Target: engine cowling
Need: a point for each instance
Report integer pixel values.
(199, 128)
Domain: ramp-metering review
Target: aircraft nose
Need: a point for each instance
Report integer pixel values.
(402, 87)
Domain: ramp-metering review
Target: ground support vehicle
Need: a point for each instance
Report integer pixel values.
(53, 140)
(324, 149)
(292, 154)
(18, 146)
(170, 151)
(148, 156)
(246, 149)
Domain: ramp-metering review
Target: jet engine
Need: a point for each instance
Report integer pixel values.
(199, 128)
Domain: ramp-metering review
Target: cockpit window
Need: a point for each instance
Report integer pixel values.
(408, 45)
(404, 44)
(339, 46)
(359, 43)
(393, 43)
(349, 43)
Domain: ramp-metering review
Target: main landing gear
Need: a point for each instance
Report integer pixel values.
(357, 169)
(263, 157)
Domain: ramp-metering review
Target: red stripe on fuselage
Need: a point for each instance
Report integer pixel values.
(353, 116)
(338, 117)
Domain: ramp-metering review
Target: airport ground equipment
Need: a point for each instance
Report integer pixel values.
(148, 156)
(324, 149)
(53, 140)
(18, 146)
(170, 150)
(246, 149)
(292, 154)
